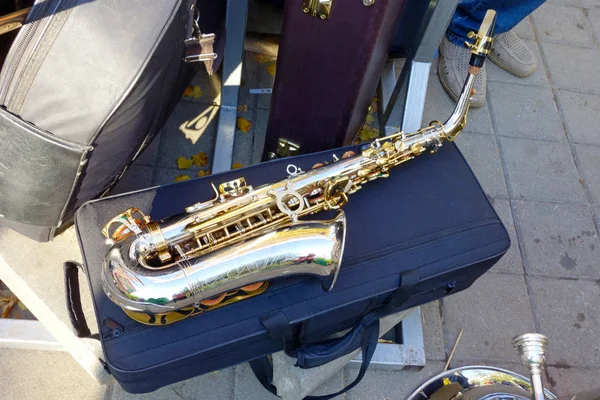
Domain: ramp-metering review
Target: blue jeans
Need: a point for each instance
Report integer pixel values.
(469, 15)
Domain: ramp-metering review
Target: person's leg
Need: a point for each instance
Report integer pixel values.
(469, 14)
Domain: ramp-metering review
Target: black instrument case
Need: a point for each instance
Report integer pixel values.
(425, 232)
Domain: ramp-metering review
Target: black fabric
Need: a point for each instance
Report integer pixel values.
(429, 216)
(263, 370)
(73, 300)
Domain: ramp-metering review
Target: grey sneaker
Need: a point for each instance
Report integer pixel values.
(452, 71)
(510, 53)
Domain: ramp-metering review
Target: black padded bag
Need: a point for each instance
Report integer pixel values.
(85, 87)
(425, 232)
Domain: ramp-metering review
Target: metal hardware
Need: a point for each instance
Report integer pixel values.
(317, 8)
(532, 349)
(285, 148)
(116, 330)
(482, 40)
(13, 20)
(248, 235)
(199, 46)
(368, 2)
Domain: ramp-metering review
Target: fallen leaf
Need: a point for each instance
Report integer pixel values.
(368, 133)
(237, 165)
(184, 163)
(200, 159)
(22, 306)
(271, 68)
(370, 119)
(262, 58)
(202, 173)
(181, 178)
(373, 105)
(12, 300)
(193, 91)
(242, 108)
(243, 124)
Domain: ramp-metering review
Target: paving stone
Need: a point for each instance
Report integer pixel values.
(539, 170)
(594, 17)
(332, 385)
(538, 78)
(494, 310)
(566, 74)
(591, 3)
(568, 381)
(165, 393)
(438, 106)
(596, 212)
(558, 239)
(52, 375)
(524, 29)
(190, 129)
(249, 80)
(575, 3)
(511, 262)
(581, 112)
(433, 331)
(243, 142)
(164, 176)
(260, 131)
(135, 178)
(563, 24)
(390, 385)
(530, 113)
(481, 152)
(210, 86)
(568, 313)
(588, 160)
(247, 386)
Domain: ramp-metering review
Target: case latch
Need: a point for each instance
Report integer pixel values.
(317, 8)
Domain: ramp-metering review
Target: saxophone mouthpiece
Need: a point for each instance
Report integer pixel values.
(482, 40)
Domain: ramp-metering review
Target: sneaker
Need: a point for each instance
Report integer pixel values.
(510, 53)
(452, 71)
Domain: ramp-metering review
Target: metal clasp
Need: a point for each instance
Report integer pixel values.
(199, 46)
(317, 8)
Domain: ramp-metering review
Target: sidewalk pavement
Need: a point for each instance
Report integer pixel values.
(535, 148)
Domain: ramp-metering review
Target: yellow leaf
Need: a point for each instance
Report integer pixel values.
(200, 159)
(370, 119)
(368, 133)
(271, 68)
(202, 173)
(237, 165)
(184, 163)
(194, 91)
(243, 124)
(262, 59)
(242, 108)
(181, 178)
(373, 105)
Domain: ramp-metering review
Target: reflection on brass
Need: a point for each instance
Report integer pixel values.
(317, 8)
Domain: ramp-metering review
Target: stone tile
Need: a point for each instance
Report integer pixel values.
(575, 3)
(260, 133)
(34, 375)
(433, 331)
(568, 313)
(538, 170)
(558, 239)
(511, 262)
(481, 152)
(588, 160)
(538, 78)
(596, 212)
(247, 386)
(332, 385)
(563, 24)
(582, 116)
(494, 310)
(190, 129)
(594, 17)
(524, 30)
(165, 393)
(563, 381)
(390, 385)
(591, 4)
(164, 176)
(438, 106)
(243, 142)
(135, 178)
(566, 74)
(530, 112)
(211, 88)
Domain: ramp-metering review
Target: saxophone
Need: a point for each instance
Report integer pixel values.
(227, 249)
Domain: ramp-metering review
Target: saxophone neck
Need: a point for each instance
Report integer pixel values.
(481, 46)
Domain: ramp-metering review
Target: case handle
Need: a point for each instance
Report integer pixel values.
(73, 300)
